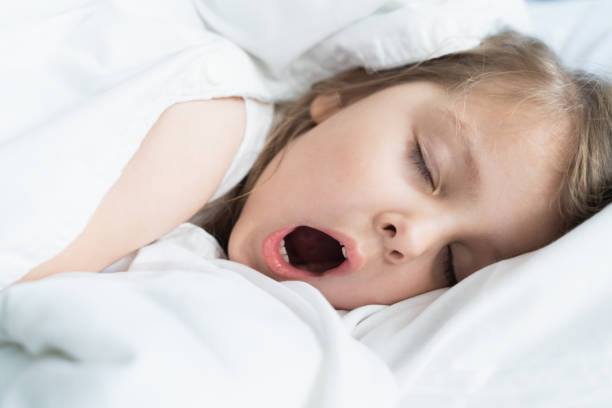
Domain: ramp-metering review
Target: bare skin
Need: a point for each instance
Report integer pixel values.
(175, 171)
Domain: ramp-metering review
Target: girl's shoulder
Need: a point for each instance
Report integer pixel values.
(174, 172)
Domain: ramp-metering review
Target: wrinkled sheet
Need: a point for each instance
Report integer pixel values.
(179, 330)
(531, 331)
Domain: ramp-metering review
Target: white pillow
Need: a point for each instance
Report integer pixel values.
(299, 43)
(580, 31)
(532, 331)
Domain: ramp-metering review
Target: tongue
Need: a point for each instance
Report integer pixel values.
(313, 250)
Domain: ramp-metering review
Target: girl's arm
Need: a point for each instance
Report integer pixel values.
(175, 171)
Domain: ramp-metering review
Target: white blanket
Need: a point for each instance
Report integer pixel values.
(181, 331)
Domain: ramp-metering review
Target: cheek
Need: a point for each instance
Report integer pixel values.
(347, 168)
(308, 172)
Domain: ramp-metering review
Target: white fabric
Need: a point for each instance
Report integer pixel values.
(181, 330)
(532, 331)
(258, 122)
(80, 90)
(326, 37)
(578, 30)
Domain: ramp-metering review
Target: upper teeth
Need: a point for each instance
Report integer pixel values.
(283, 251)
(344, 251)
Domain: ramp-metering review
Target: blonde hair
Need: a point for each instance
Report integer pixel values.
(528, 71)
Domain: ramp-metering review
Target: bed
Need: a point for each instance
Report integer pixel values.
(183, 330)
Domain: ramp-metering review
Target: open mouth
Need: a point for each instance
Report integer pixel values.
(304, 252)
(312, 250)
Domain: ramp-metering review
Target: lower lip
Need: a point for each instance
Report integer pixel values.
(277, 264)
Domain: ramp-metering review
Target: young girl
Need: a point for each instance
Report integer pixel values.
(375, 187)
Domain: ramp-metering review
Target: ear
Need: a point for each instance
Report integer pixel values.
(324, 105)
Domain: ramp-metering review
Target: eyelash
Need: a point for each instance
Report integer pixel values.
(416, 155)
(417, 158)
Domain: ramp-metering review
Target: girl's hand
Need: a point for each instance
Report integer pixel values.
(175, 171)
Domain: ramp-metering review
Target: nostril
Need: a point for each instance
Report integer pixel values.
(396, 255)
(391, 228)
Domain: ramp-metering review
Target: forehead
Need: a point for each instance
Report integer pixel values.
(507, 132)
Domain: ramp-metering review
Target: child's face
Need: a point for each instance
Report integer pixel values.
(357, 176)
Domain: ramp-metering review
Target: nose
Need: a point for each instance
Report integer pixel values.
(405, 238)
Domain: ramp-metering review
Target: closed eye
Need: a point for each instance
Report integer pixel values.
(416, 156)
